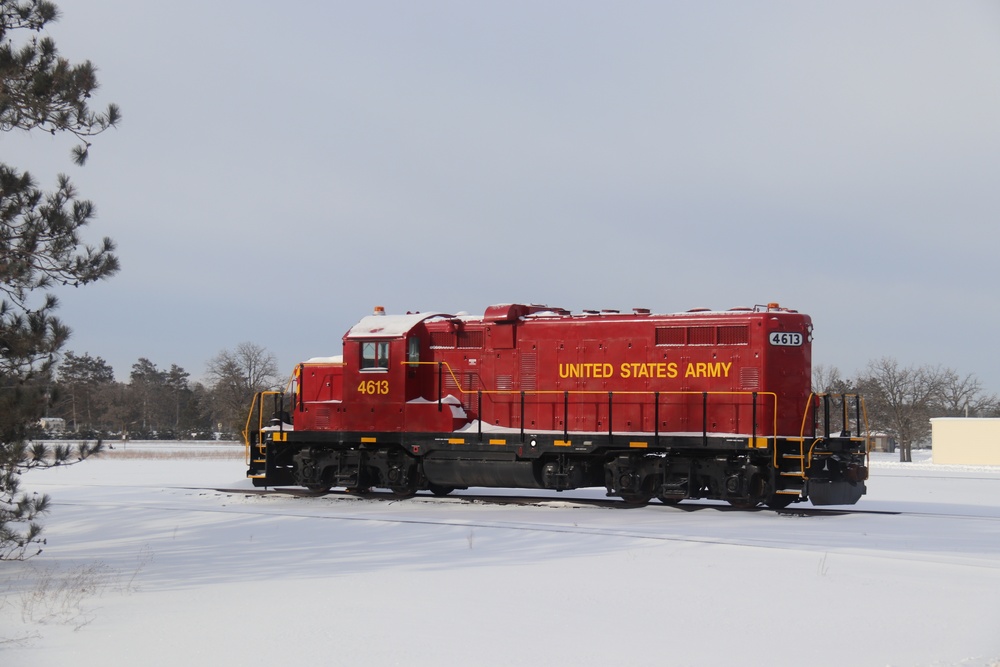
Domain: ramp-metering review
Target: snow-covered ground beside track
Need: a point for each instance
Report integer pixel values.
(177, 560)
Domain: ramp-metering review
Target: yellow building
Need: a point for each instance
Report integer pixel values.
(968, 441)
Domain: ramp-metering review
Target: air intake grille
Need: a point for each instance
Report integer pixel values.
(470, 339)
(734, 335)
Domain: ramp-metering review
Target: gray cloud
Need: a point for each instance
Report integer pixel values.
(278, 174)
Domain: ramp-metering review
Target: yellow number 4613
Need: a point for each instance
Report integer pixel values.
(376, 387)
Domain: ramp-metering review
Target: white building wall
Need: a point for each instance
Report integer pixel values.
(965, 441)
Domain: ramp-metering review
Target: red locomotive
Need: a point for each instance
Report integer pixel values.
(701, 404)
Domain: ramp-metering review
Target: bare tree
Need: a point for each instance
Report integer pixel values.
(827, 380)
(901, 400)
(964, 396)
(235, 376)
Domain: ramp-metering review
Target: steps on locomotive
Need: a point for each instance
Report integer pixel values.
(791, 457)
(791, 467)
(258, 464)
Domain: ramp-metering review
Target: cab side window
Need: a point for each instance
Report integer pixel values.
(374, 355)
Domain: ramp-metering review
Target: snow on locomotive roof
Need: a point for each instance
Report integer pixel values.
(389, 326)
(644, 313)
(335, 359)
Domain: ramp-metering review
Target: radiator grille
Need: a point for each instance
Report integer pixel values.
(737, 334)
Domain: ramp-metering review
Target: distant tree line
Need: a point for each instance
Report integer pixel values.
(901, 400)
(156, 403)
(164, 404)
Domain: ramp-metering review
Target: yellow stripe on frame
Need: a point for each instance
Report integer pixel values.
(498, 442)
(638, 444)
(758, 442)
(456, 441)
(366, 439)
(563, 443)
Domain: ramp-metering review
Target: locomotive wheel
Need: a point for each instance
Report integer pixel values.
(318, 489)
(440, 490)
(401, 484)
(636, 499)
(669, 500)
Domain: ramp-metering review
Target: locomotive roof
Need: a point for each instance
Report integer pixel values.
(389, 326)
(396, 326)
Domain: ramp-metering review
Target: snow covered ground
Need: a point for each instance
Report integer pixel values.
(148, 562)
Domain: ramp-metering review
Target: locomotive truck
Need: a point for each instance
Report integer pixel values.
(700, 404)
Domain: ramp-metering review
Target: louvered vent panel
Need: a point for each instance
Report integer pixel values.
(701, 335)
(470, 339)
(471, 381)
(749, 378)
(442, 339)
(671, 335)
(734, 335)
(529, 371)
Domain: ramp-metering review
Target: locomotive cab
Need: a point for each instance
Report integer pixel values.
(387, 387)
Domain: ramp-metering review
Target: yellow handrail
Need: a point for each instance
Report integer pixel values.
(807, 460)
(560, 392)
(258, 407)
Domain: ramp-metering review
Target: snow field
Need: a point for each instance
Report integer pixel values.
(180, 572)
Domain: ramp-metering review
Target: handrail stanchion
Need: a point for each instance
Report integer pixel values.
(845, 427)
(440, 382)
(704, 418)
(479, 412)
(857, 412)
(522, 415)
(565, 415)
(656, 419)
(610, 418)
(826, 416)
(813, 405)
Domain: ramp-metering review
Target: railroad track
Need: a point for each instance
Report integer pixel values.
(541, 501)
(527, 500)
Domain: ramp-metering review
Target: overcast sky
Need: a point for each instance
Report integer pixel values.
(284, 167)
